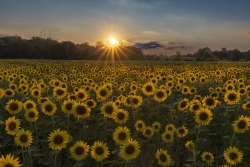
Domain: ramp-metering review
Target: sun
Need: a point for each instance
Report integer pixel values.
(113, 41)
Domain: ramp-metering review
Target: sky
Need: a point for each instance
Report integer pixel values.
(156, 26)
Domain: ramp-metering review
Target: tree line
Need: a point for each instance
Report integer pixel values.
(42, 47)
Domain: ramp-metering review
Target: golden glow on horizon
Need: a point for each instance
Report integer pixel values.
(113, 41)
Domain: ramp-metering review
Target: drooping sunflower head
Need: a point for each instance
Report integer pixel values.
(79, 150)
(190, 145)
(246, 106)
(164, 159)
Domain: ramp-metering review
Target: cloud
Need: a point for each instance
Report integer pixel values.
(150, 32)
(3, 35)
(164, 45)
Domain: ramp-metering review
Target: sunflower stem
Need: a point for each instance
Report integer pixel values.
(52, 122)
(231, 139)
(55, 158)
(194, 153)
(68, 122)
(30, 157)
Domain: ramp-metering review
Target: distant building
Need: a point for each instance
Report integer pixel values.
(224, 50)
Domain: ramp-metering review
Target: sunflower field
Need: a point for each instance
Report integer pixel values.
(124, 114)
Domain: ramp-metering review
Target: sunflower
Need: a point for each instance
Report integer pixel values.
(58, 139)
(81, 95)
(194, 106)
(59, 92)
(135, 101)
(127, 101)
(130, 150)
(231, 97)
(108, 109)
(31, 115)
(160, 95)
(163, 157)
(181, 131)
(29, 104)
(49, 108)
(170, 127)
(9, 161)
(156, 126)
(14, 106)
(167, 136)
(185, 90)
(99, 151)
(148, 131)
(79, 150)
(91, 103)
(9, 93)
(203, 116)
(67, 106)
(242, 124)
(36, 93)
(103, 93)
(23, 138)
(121, 135)
(80, 110)
(246, 106)
(12, 125)
(120, 116)
(148, 88)
(139, 125)
(183, 104)
(232, 155)
(209, 102)
(207, 157)
(190, 145)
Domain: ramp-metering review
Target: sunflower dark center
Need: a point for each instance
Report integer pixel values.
(183, 104)
(242, 124)
(148, 88)
(81, 110)
(81, 95)
(58, 139)
(160, 94)
(13, 106)
(68, 106)
(181, 131)
(210, 101)
(90, 103)
(148, 132)
(109, 109)
(185, 90)
(195, 107)
(168, 136)
(56, 83)
(12, 126)
(103, 92)
(48, 108)
(31, 114)
(170, 128)
(8, 92)
(29, 106)
(130, 149)
(140, 125)
(207, 157)
(120, 116)
(8, 165)
(163, 157)
(248, 105)
(99, 150)
(79, 150)
(233, 156)
(231, 96)
(135, 101)
(122, 136)
(36, 93)
(23, 138)
(203, 116)
(156, 126)
(59, 92)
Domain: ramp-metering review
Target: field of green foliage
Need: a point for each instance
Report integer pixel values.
(127, 114)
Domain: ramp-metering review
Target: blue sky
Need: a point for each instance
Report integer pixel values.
(159, 26)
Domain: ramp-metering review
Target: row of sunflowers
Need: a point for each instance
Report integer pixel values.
(58, 113)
